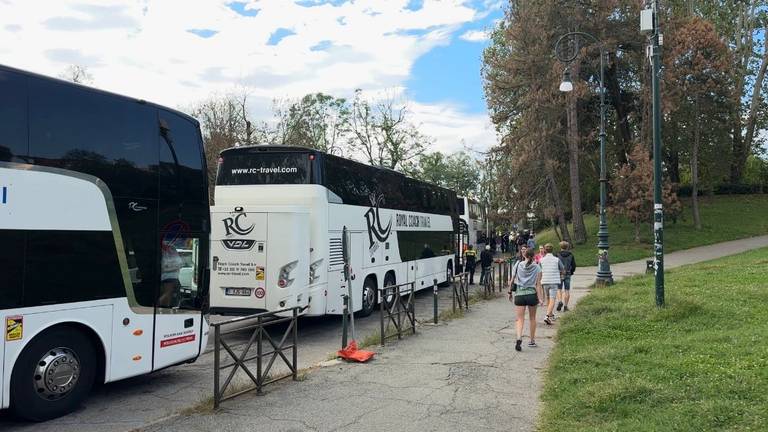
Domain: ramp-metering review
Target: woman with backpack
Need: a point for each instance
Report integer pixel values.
(525, 290)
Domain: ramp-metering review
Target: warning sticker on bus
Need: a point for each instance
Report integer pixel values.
(177, 340)
(259, 273)
(14, 328)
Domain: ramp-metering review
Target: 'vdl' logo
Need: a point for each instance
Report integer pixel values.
(232, 225)
(372, 217)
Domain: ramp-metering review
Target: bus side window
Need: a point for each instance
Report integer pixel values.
(13, 117)
(12, 264)
(182, 177)
(86, 131)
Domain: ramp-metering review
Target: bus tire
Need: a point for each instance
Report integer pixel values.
(389, 280)
(370, 295)
(68, 359)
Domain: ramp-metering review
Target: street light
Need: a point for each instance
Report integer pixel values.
(604, 275)
(566, 85)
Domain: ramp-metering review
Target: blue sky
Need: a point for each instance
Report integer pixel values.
(177, 52)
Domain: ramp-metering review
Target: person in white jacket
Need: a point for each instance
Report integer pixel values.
(552, 273)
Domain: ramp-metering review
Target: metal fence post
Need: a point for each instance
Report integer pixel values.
(216, 365)
(399, 301)
(434, 297)
(295, 344)
(381, 316)
(259, 378)
(344, 324)
(453, 293)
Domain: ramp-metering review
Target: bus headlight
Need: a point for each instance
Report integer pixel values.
(313, 276)
(285, 273)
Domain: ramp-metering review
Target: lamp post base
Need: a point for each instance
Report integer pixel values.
(604, 279)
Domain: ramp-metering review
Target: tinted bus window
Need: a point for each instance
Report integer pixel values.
(11, 267)
(106, 136)
(415, 245)
(84, 264)
(182, 177)
(257, 168)
(13, 117)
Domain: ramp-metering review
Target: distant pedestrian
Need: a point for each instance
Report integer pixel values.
(552, 272)
(531, 242)
(525, 289)
(470, 262)
(569, 266)
(539, 255)
(486, 261)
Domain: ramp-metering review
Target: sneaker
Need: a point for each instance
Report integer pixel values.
(553, 317)
(560, 306)
(518, 345)
(532, 344)
(565, 309)
(547, 320)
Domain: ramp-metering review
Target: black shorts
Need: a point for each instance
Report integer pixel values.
(526, 300)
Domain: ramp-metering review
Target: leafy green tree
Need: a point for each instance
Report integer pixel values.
(317, 120)
(697, 96)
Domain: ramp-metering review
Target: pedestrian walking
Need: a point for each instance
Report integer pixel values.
(470, 262)
(486, 261)
(569, 266)
(526, 292)
(552, 273)
(539, 255)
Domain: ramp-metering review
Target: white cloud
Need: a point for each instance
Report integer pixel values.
(475, 36)
(143, 48)
(453, 129)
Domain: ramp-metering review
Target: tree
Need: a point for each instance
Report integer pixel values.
(697, 94)
(458, 172)
(632, 191)
(383, 133)
(317, 120)
(225, 122)
(77, 74)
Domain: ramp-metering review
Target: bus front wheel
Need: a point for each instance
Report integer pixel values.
(53, 374)
(369, 297)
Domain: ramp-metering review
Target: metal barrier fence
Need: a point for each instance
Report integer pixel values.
(399, 311)
(259, 324)
(461, 291)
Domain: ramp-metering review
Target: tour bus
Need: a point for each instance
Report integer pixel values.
(104, 228)
(278, 226)
(472, 221)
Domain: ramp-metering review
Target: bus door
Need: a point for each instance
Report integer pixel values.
(178, 318)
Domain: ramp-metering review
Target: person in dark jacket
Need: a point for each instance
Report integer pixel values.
(569, 263)
(486, 261)
(470, 262)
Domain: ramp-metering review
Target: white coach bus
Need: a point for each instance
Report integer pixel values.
(277, 227)
(472, 221)
(104, 228)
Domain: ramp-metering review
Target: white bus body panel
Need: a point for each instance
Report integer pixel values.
(248, 250)
(96, 316)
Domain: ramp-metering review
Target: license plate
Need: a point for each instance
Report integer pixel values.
(241, 292)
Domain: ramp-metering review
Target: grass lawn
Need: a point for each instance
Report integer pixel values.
(701, 364)
(723, 218)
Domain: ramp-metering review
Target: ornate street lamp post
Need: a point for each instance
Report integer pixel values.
(604, 275)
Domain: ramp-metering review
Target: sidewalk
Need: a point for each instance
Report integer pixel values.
(461, 376)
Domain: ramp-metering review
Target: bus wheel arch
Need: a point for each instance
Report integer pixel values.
(61, 363)
(370, 295)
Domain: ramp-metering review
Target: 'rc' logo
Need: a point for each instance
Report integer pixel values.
(232, 225)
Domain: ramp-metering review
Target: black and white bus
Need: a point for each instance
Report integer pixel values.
(278, 220)
(104, 228)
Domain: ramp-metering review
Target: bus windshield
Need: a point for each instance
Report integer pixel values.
(257, 168)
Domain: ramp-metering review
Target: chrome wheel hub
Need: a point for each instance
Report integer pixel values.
(368, 296)
(56, 374)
